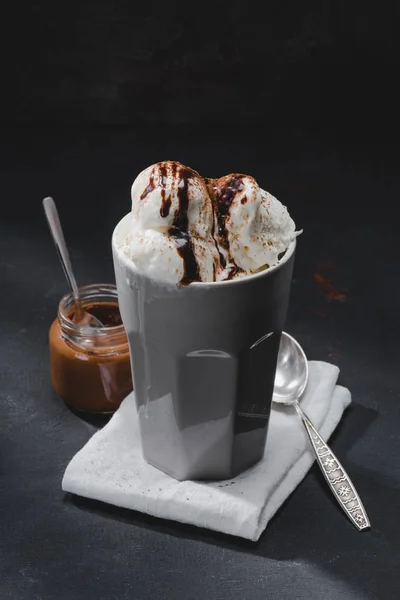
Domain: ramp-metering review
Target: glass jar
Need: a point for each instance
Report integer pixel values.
(90, 367)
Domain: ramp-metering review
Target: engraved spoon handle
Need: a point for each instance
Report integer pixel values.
(337, 478)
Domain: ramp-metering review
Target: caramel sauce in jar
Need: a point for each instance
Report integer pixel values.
(90, 367)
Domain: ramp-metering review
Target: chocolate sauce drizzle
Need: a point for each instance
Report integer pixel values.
(221, 256)
(180, 229)
(223, 197)
(165, 200)
(222, 192)
(150, 187)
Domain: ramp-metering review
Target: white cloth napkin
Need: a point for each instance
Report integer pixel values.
(110, 466)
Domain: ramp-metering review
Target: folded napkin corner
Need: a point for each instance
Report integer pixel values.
(110, 467)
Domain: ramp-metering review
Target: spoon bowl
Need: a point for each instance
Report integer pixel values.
(291, 371)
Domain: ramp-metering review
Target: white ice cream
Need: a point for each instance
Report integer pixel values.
(185, 228)
(258, 227)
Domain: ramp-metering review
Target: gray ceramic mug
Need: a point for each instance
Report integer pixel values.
(203, 363)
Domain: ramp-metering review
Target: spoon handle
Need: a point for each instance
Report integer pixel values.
(337, 478)
(53, 220)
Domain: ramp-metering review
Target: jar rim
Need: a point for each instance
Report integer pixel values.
(88, 292)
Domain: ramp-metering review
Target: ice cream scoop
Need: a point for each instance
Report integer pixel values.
(172, 225)
(254, 228)
(186, 228)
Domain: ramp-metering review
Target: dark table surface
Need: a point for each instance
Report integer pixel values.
(344, 309)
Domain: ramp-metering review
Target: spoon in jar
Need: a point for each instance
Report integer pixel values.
(290, 382)
(81, 317)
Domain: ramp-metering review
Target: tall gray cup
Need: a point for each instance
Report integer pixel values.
(203, 363)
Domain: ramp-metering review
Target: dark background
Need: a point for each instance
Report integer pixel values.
(302, 95)
(302, 67)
